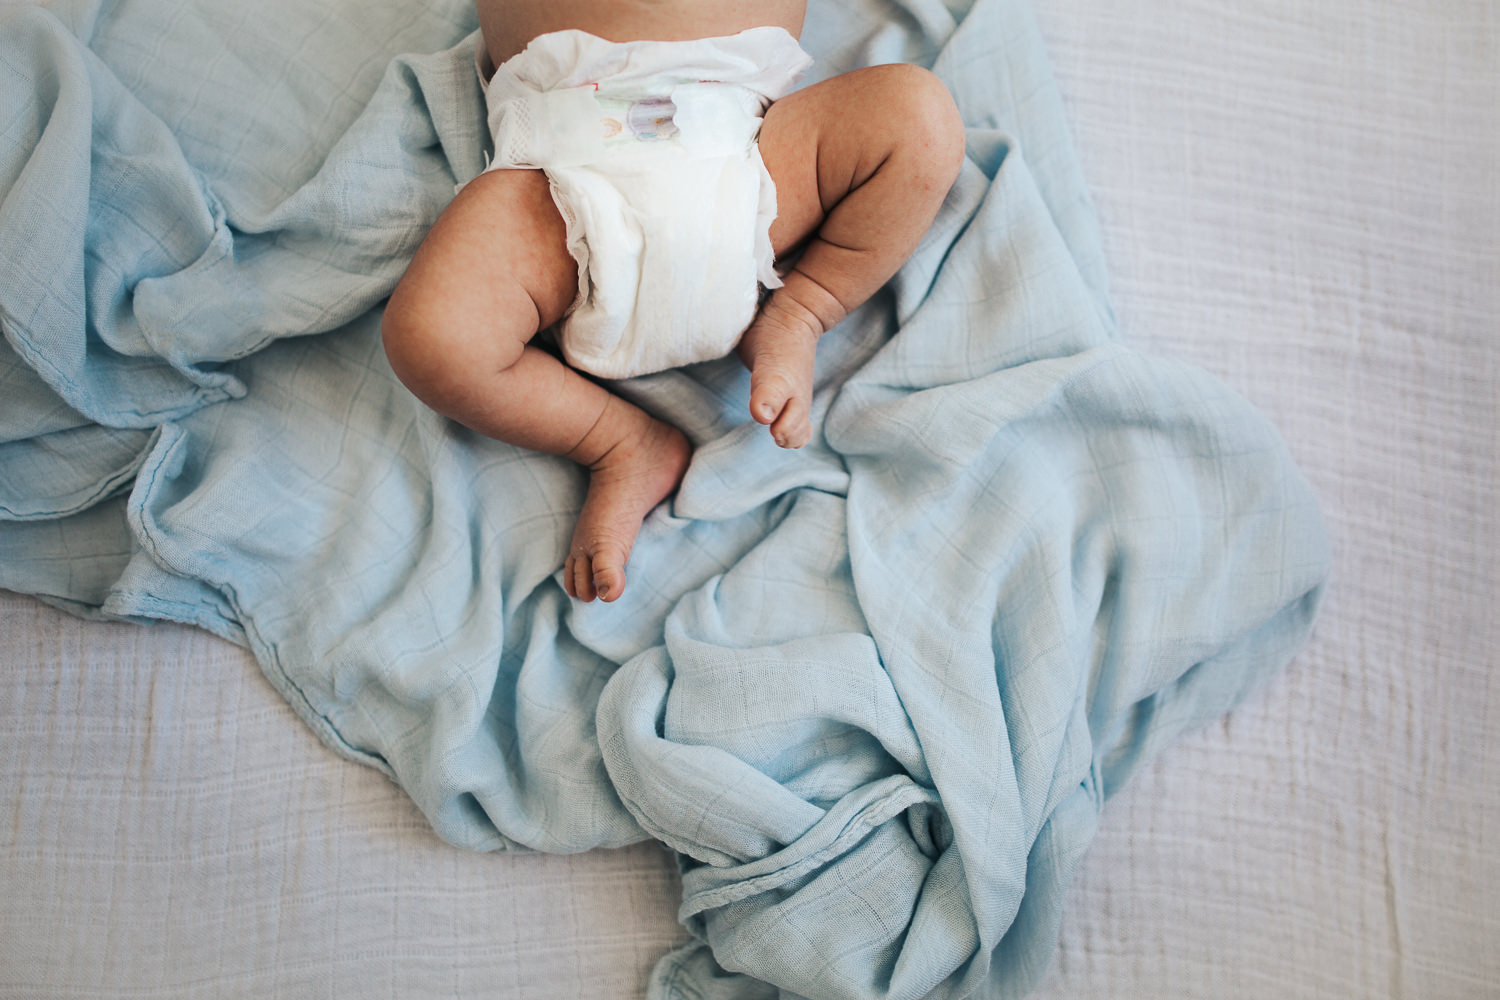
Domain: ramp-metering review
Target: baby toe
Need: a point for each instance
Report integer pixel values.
(768, 398)
(579, 576)
(792, 429)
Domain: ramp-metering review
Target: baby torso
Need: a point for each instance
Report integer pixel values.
(508, 25)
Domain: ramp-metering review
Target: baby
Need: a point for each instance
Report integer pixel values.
(652, 175)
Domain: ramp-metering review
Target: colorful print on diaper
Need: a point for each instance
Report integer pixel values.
(647, 120)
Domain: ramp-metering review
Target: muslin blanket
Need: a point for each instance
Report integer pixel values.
(873, 692)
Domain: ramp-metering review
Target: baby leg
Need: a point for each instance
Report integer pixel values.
(492, 272)
(862, 162)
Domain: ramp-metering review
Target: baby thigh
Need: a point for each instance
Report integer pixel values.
(861, 163)
(493, 270)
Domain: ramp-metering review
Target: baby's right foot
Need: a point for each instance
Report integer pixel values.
(631, 476)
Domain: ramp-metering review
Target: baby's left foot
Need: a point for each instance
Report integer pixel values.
(640, 469)
(779, 349)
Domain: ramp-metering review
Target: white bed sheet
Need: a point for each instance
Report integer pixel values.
(1304, 200)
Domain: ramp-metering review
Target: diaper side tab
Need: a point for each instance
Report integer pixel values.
(717, 119)
(557, 128)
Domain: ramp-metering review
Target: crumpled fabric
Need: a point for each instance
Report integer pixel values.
(874, 692)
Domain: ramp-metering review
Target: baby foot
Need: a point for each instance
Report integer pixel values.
(779, 349)
(633, 476)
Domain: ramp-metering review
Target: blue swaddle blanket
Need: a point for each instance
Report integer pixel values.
(873, 692)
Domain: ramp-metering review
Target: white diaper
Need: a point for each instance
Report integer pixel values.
(651, 151)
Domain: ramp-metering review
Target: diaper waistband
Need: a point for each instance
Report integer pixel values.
(571, 98)
(576, 126)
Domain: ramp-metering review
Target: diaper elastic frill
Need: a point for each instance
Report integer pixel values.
(650, 148)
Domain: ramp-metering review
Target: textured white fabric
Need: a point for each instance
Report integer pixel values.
(650, 151)
(1300, 198)
(1303, 199)
(170, 828)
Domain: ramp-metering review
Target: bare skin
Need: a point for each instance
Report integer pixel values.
(508, 25)
(861, 163)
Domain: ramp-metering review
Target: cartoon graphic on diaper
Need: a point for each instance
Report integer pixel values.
(651, 119)
(647, 120)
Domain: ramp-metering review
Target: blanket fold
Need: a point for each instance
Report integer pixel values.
(873, 692)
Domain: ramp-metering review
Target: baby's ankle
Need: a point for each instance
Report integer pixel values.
(804, 305)
(619, 427)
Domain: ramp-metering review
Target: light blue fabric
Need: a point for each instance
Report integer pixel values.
(874, 692)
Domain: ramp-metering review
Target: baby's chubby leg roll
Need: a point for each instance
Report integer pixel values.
(493, 271)
(862, 163)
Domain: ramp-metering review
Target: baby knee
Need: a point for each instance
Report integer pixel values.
(407, 335)
(928, 120)
(432, 346)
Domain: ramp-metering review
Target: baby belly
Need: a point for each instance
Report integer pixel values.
(508, 25)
